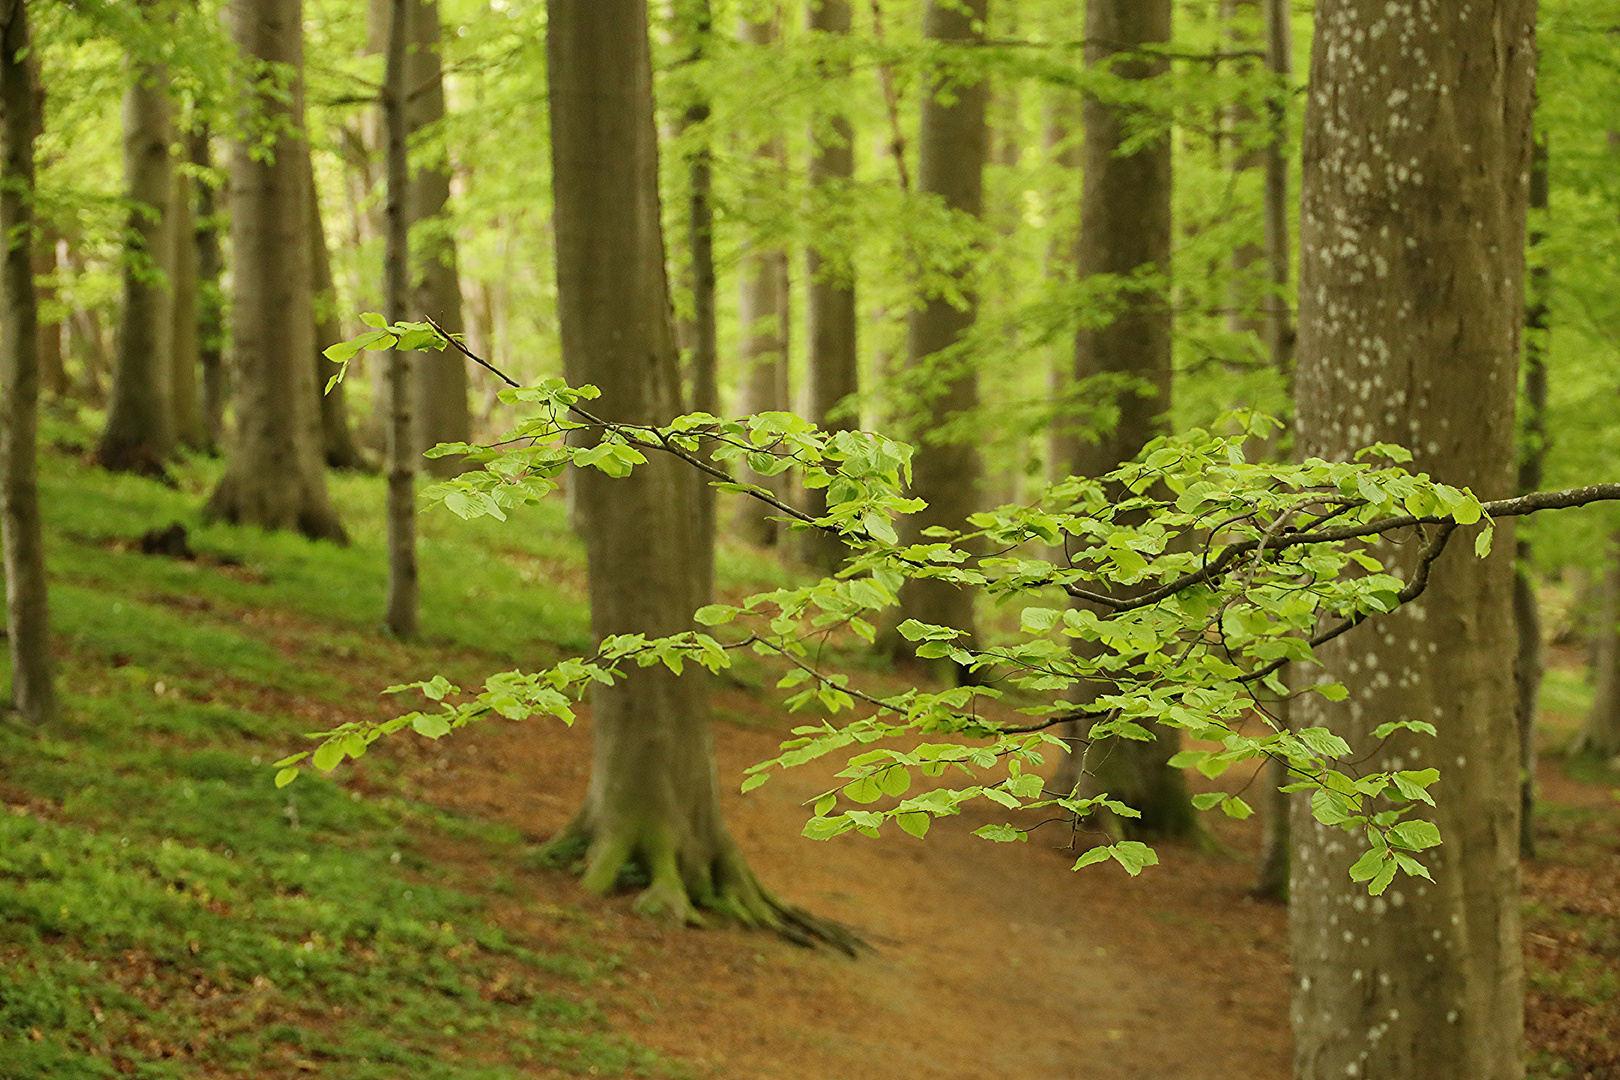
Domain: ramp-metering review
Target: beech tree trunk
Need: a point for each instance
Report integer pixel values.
(1271, 882)
(653, 802)
(338, 447)
(210, 298)
(53, 378)
(762, 311)
(834, 364)
(1600, 734)
(1527, 670)
(952, 147)
(439, 411)
(189, 429)
(273, 473)
(1417, 150)
(140, 430)
(33, 692)
(1125, 225)
(1062, 122)
(402, 451)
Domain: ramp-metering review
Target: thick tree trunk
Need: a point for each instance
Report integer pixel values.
(439, 410)
(210, 299)
(33, 692)
(762, 311)
(952, 146)
(1278, 331)
(189, 429)
(338, 447)
(1600, 734)
(653, 803)
(53, 378)
(1125, 229)
(1411, 304)
(402, 451)
(273, 474)
(1527, 669)
(834, 363)
(140, 419)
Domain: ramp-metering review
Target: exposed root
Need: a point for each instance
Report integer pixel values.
(691, 892)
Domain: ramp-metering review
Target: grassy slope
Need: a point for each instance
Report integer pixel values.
(165, 911)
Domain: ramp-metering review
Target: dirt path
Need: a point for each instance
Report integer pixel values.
(992, 960)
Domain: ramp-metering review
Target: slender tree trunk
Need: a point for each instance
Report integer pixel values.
(952, 146)
(1600, 734)
(704, 373)
(189, 428)
(763, 314)
(140, 419)
(439, 410)
(653, 802)
(53, 378)
(1278, 331)
(1125, 224)
(1526, 612)
(1412, 296)
(273, 474)
(402, 450)
(33, 692)
(1061, 145)
(338, 447)
(834, 363)
(210, 297)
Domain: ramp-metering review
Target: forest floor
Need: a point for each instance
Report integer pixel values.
(166, 912)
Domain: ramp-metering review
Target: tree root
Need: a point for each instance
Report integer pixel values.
(688, 891)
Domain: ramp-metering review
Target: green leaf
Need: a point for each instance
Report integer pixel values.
(1333, 691)
(430, 725)
(373, 320)
(754, 781)
(1001, 834)
(1092, 857)
(1236, 808)
(1367, 867)
(1482, 542)
(285, 777)
(916, 824)
(715, 614)
(864, 790)
(1417, 835)
(1206, 799)
(1324, 742)
(327, 755)
(895, 780)
(1133, 855)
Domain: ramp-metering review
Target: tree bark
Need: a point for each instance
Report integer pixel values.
(402, 450)
(210, 298)
(834, 363)
(1417, 146)
(1271, 882)
(1125, 222)
(33, 691)
(273, 475)
(338, 447)
(189, 429)
(140, 430)
(53, 379)
(952, 146)
(653, 802)
(1527, 669)
(1600, 734)
(439, 411)
(762, 311)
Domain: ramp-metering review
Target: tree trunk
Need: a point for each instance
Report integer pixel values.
(338, 447)
(1125, 224)
(1411, 304)
(439, 410)
(952, 146)
(834, 363)
(189, 429)
(402, 451)
(140, 420)
(704, 372)
(1527, 670)
(210, 299)
(1061, 145)
(762, 311)
(273, 475)
(653, 802)
(1600, 734)
(1278, 331)
(53, 378)
(33, 692)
